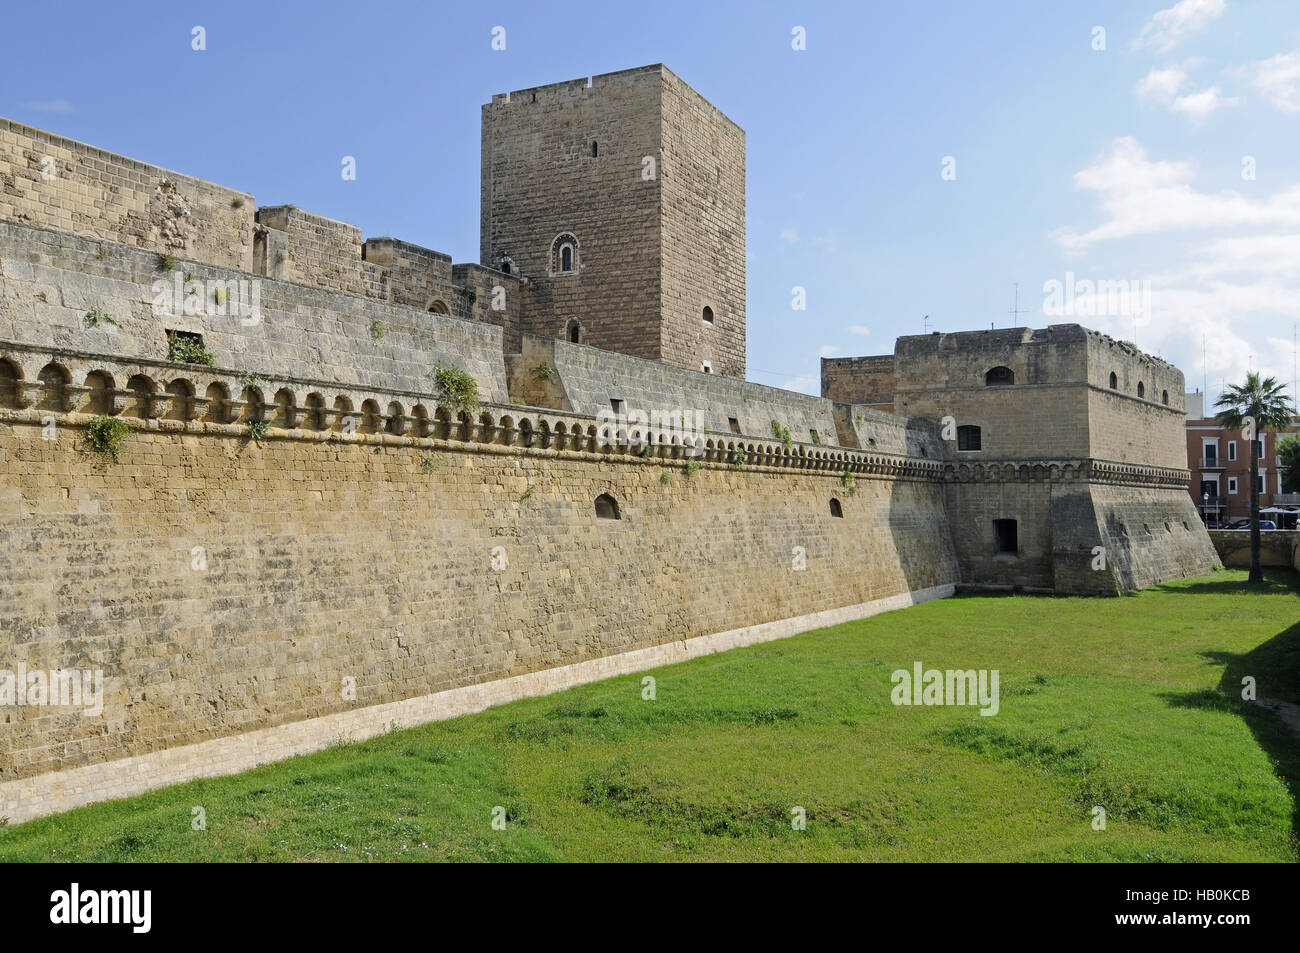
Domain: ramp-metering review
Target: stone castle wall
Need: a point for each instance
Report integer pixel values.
(702, 168)
(859, 380)
(54, 182)
(327, 559)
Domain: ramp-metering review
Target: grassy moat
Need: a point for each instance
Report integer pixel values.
(1131, 704)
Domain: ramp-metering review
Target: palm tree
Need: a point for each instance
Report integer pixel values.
(1255, 406)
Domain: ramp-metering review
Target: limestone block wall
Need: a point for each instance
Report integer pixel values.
(1151, 535)
(1276, 547)
(859, 380)
(540, 180)
(318, 251)
(324, 561)
(702, 167)
(55, 182)
(593, 377)
(49, 281)
(475, 296)
(414, 276)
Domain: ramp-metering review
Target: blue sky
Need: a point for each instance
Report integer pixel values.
(1117, 164)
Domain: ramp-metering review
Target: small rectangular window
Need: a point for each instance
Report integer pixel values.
(616, 405)
(1005, 537)
(1232, 450)
(734, 424)
(1232, 485)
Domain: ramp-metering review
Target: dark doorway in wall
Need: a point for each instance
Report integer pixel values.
(1006, 537)
(607, 507)
(968, 438)
(836, 509)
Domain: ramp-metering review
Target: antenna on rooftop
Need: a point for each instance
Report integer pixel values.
(1015, 311)
(925, 323)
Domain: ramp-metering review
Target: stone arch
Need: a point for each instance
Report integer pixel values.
(343, 412)
(573, 331)
(182, 399)
(315, 418)
(564, 251)
(286, 408)
(139, 402)
(837, 509)
(369, 416)
(10, 376)
(218, 398)
(54, 378)
(420, 420)
(395, 419)
(442, 423)
(607, 508)
(438, 306)
(254, 405)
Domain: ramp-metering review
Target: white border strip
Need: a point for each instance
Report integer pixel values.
(55, 792)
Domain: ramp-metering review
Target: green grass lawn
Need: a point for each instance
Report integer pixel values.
(1132, 704)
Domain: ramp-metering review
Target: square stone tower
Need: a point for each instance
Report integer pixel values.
(621, 199)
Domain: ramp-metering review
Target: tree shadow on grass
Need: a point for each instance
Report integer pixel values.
(1275, 666)
(1276, 581)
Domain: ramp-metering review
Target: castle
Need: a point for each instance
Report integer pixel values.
(305, 536)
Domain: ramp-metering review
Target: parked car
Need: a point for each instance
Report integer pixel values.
(1245, 524)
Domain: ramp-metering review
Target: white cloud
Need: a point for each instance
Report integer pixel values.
(1199, 106)
(1142, 197)
(1170, 27)
(826, 350)
(805, 384)
(1278, 80)
(789, 235)
(1164, 85)
(858, 329)
(51, 106)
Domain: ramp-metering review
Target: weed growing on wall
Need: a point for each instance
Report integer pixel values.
(666, 478)
(544, 372)
(106, 436)
(850, 482)
(428, 463)
(97, 317)
(251, 382)
(257, 429)
(457, 389)
(738, 460)
(189, 351)
(782, 434)
(377, 331)
(692, 468)
(166, 263)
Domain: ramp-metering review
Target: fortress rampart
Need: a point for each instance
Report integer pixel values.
(307, 539)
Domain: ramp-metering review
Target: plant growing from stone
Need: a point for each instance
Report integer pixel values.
(166, 262)
(544, 372)
(106, 435)
(251, 382)
(457, 389)
(96, 317)
(257, 429)
(782, 434)
(850, 482)
(189, 351)
(428, 463)
(666, 478)
(738, 460)
(692, 468)
(377, 330)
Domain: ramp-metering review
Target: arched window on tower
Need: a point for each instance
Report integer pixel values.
(574, 332)
(1114, 381)
(999, 377)
(565, 259)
